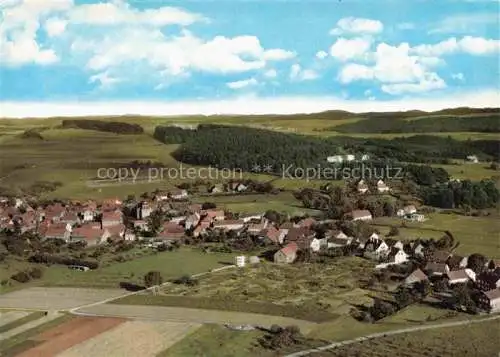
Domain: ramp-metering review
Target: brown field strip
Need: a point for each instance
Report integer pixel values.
(68, 334)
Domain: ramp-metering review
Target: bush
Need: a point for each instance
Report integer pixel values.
(21, 277)
(186, 280)
(36, 273)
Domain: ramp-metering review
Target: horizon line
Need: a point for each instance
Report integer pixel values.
(243, 106)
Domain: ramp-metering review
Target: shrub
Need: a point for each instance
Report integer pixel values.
(21, 277)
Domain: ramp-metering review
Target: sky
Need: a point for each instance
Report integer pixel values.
(154, 57)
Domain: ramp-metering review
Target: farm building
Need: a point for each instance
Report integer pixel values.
(287, 254)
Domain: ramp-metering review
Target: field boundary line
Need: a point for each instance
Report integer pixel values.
(75, 312)
(390, 333)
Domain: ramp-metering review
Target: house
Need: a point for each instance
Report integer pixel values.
(170, 231)
(436, 269)
(252, 217)
(178, 194)
(415, 217)
(192, 221)
(90, 234)
(397, 256)
(307, 222)
(201, 229)
(304, 237)
(490, 300)
(457, 262)
(437, 256)
(365, 157)
(57, 231)
(144, 210)
(362, 187)
(376, 249)
(118, 233)
(215, 215)
(337, 159)
(216, 188)
(338, 242)
(418, 250)
(350, 157)
(287, 254)
(335, 234)
(141, 224)
(229, 225)
(69, 217)
(488, 280)
(493, 264)
(410, 209)
(382, 187)
(472, 159)
(395, 243)
(178, 219)
(361, 215)
(111, 218)
(272, 234)
(460, 276)
(416, 277)
(256, 228)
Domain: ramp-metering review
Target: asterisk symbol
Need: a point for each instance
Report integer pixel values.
(256, 168)
(268, 168)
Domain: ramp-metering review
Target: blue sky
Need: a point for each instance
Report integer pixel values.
(283, 56)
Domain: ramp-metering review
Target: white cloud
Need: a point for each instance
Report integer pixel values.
(458, 76)
(176, 55)
(18, 31)
(430, 81)
(277, 55)
(352, 25)
(271, 73)
(55, 26)
(345, 49)
(396, 70)
(465, 23)
(119, 12)
(243, 83)
(252, 105)
(321, 55)
(299, 74)
(468, 44)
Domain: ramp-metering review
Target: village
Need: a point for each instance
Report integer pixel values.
(163, 219)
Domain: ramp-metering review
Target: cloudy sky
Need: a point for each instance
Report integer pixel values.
(168, 57)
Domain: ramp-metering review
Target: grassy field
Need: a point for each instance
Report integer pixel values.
(282, 202)
(174, 264)
(304, 291)
(479, 340)
(475, 234)
(217, 341)
(16, 323)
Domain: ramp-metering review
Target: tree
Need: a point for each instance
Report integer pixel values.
(394, 231)
(403, 298)
(154, 221)
(477, 262)
(208, 205)
(153, 278)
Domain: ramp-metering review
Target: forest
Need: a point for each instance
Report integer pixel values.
(108, 126)
(245, 148)
(481, 124)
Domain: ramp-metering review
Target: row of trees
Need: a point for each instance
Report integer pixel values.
(465, 194)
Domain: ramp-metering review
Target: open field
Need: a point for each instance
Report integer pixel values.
(282, 202)
(479, 340)
(475, 234)
(55, 340)
(216, 341)
(308, 292)
(72, 156)
(22, 341)
(185, 261)
(39, 298)
(131, 339)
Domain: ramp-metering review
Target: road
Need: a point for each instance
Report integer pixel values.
(390, 333)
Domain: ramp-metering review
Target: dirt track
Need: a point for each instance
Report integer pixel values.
(156, 313)
(55, 298)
